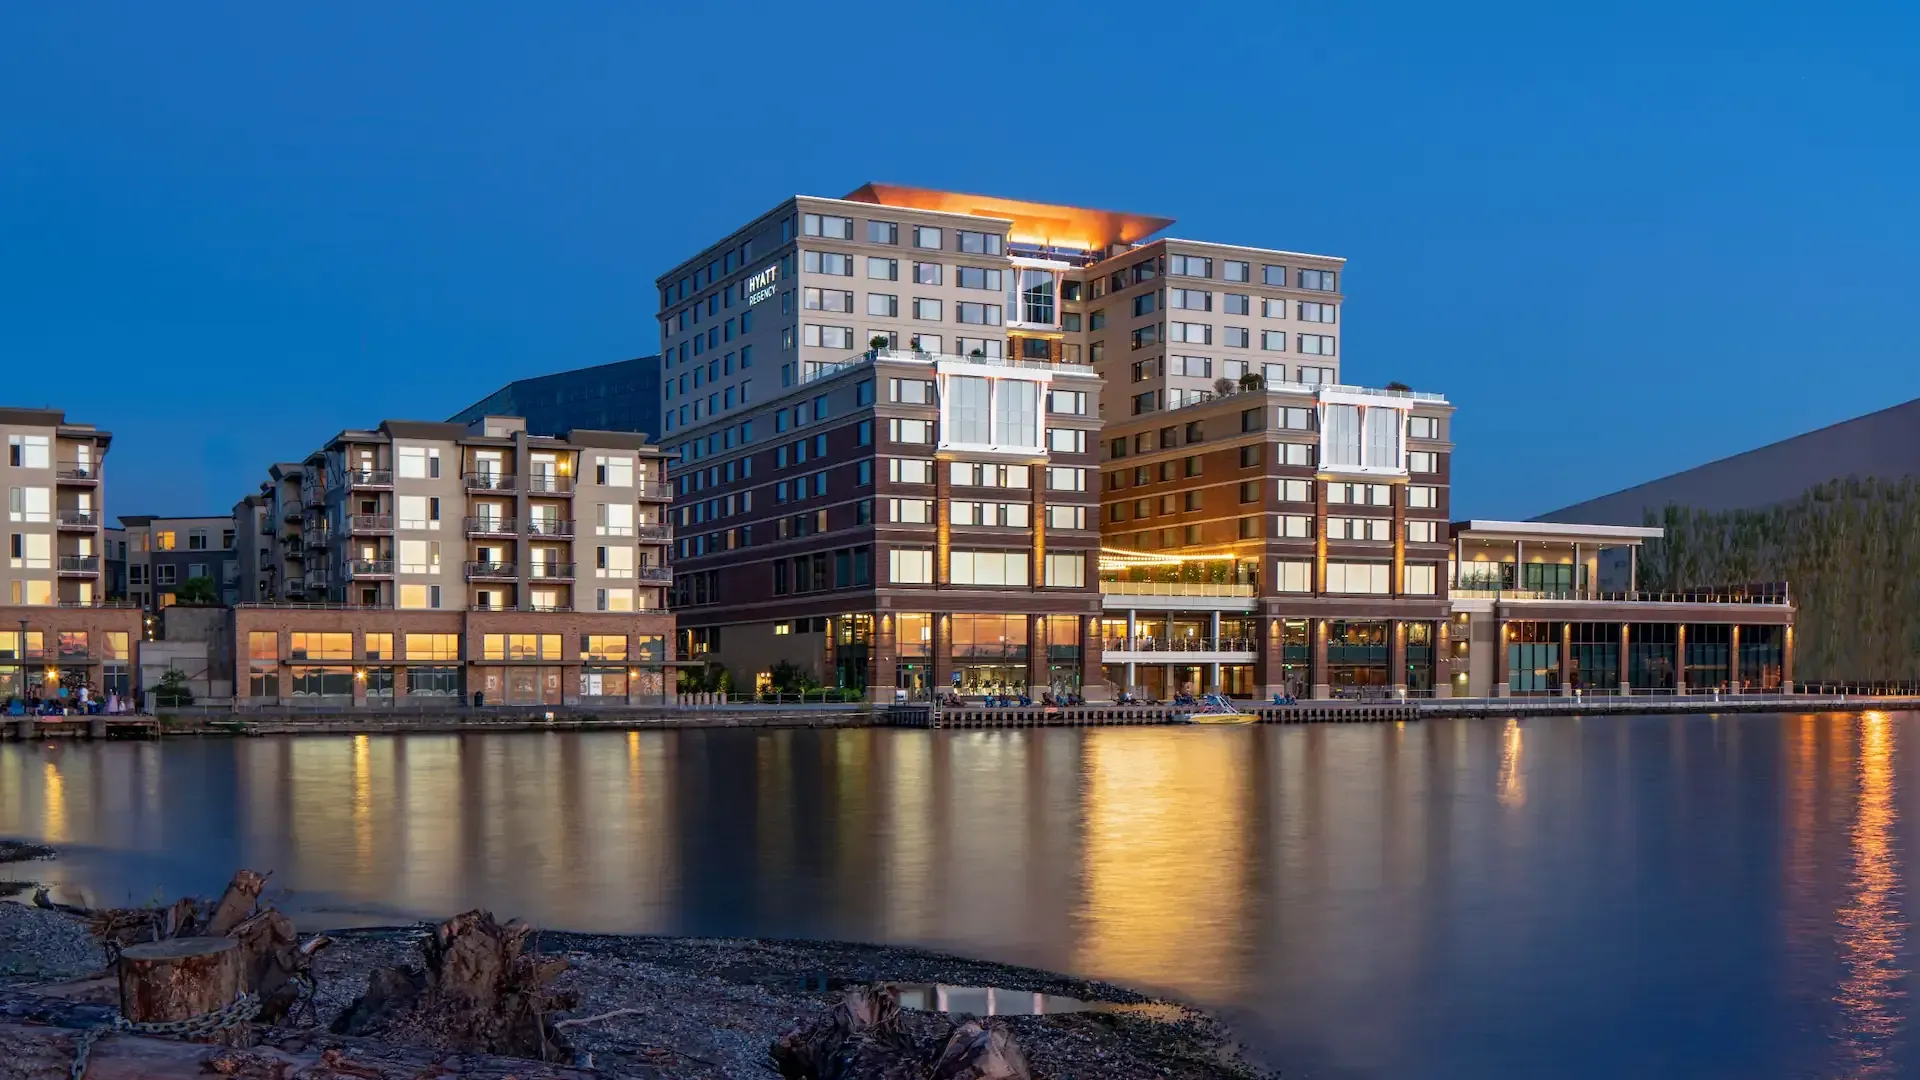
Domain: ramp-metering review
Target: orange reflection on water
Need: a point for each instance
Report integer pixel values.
(1512, 783)
(1870, 925)
(1165, 851)
(55, 828)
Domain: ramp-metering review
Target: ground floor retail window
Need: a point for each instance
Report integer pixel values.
(321, 682)
(379, 683)
(603, 683)
(433, 682)
(1762, 655)
(991, 678)
(1650, 655)
(264, 683)
(1709, 650)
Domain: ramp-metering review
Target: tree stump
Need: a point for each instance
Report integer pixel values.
(180, 978)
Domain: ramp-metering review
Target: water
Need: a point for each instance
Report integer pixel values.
(1667, 896)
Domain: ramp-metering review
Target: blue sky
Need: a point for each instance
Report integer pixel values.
(1622, 241)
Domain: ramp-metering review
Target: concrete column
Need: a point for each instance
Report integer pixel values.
(1397, 656)
(1577, 567)
(1270, 658)
(940, 653)
(1680, 659)
(1320, 539)
(1133, 629)
(1786, 664)
(943, 520)
(1132, 677)
(1212, 684)
(1317, 667)
(1502, 662)
(1038, 475)
(1459, 560)
(1036, 655)
(1626, 678)
(1633, 568)
(1566, 659)
(1092, 657)
(1733, 659)
(1519, 565)
(1172, 684)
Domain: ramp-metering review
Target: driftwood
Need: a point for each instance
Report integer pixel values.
(180, 979)
(44, 1053)
(478, 990)
(275, 965)
(867, 1038)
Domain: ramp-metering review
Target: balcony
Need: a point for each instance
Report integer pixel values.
(369, 523)
(550, 527)
(658, 575)
(369, 478)
(490, 481)
(1174, 588)
(656, 533)
(550, 571)
(657, 491)
(492, 571)
(78, 472)
(544, 607)
(539, 484)
(79, 565)
(369, 568)
(313, 496)
(80, 519)
(492, 526)
(290, 512)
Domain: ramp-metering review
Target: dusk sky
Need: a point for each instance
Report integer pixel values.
(1622, 239)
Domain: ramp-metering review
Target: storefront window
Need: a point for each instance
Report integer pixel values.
(990, 636)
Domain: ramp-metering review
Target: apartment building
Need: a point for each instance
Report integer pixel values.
(423, 560)
(165, 554)
(57, 627)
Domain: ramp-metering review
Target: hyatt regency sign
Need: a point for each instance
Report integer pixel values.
(760, 285)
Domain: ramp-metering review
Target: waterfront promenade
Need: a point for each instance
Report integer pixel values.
(216, 722)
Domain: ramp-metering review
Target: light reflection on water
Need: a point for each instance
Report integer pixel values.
(1660, 896)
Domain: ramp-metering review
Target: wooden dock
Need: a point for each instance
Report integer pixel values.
(117, 726)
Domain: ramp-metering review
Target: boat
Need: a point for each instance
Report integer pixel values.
(1217, 709)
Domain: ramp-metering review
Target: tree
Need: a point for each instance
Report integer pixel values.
(173, 688)
(196, 590)
(1400, 386)
(877, 342)
(790, 678)
(1223, 387)
(1253, 382)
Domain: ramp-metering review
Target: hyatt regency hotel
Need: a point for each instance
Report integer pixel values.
(929, 440)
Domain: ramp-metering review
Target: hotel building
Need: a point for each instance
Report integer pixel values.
(57, 627)
(906, 420)
(420, 560)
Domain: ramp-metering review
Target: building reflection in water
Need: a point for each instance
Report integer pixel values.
(1512, 782)
(1870, 929)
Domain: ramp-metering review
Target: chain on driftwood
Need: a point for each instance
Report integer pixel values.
(239, 1011)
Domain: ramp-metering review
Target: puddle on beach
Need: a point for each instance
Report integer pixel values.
(998, 1001)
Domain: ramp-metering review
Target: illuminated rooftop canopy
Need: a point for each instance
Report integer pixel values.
(1043, 224)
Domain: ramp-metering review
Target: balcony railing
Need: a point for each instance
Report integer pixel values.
(364, 523)
(313, 496)
(1773, 593)
(654, 490)
(653, 532)
(1173, 588)
(1150, 643)
(369, 478)
(492, 571)
(489, 481)
(541, 484)
(80, 564)
(369, 568)
(660, 574)
(492, 526)
(79, 519)
(550, 527)
(79, 472)
(550, 571)
(544, 607)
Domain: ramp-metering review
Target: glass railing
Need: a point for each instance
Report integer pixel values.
(1173, 588)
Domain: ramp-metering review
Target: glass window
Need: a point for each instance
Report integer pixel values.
(925, 236)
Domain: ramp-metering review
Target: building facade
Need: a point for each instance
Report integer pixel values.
(621, 396)
(58, 629)
(165, 553)
(420, 561)
(1556, 608)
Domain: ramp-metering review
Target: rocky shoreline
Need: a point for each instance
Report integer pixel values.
(700, 1008)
